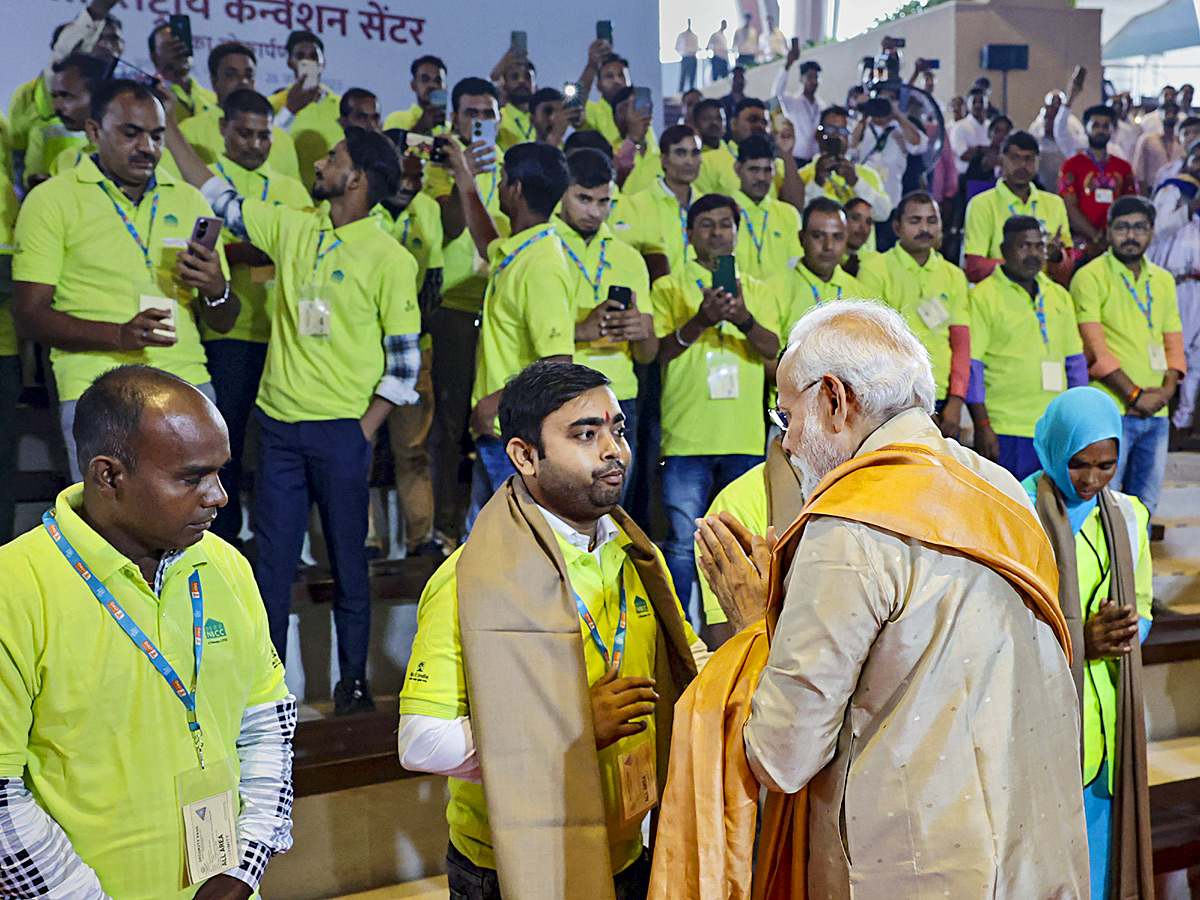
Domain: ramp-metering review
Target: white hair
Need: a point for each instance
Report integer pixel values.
(870, 348)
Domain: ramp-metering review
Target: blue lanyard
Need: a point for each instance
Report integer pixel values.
(140, 639)
(144, 246)
(594, 282)
(618, 649)
(1103, 180)
(266, 181)
(492, 191)
(1148, 308)
(404, 237)
(320, 255)
(1012, 209)
(817, 297)
(758, 241)
(1039, 310)
(683, 213)
(507, 261)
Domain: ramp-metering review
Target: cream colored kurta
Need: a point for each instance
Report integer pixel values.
(931, 713)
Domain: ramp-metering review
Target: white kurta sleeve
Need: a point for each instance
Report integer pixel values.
(836, 605)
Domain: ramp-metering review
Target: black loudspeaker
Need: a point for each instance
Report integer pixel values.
(1004, 57)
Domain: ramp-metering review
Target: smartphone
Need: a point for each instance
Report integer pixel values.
(485, 130)
(621, 295)
(206, 231)
(308, 73)
(876, 106)
(933, 63)
(643, 102)
(796, 44)
(181, 29)
(604, 30)
(437, 98)
(520, 41)
(572, 93)
(119, 70)
(899, 43)
(418, 146)
(725, 275)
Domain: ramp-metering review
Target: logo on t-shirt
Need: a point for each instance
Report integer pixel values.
(170, 219)
(338, 275)
(214, 632)
(640, 606)
(418, 674)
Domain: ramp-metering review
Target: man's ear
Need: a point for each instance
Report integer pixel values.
(522, 455)
(837, 398)
(106, 475)
(92, 129)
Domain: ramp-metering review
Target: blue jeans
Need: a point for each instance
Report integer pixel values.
(492, 468)
(1017, 455)
(688, 486)
(236, 368)
(1143, 458)
(298, 463)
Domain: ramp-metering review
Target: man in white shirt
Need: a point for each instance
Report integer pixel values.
(745, 42)
(803, 110)
(687, 45)
(1152, 122)
(718, 46)
(885, 143)
(774, 42)
(970, 133)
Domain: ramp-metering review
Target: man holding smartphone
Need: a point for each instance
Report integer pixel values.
(613, 325)
(428, 114)
(307, 110)
(718, 334)
(518, 81)
(172, 58)
(104, 272)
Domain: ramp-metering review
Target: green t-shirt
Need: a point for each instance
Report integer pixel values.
(528, 310)
(897, 279)
(203, 132)
(622, 266)
(369, 282)
(798, 290)
(1007, 338)
(314, 130)
(70, 235)
(988, 211)
(1103, 292)
(418, 228)
(46, 142)
(516, 127)
(836, 188)
(435, 684)
(254, 285)
(768, 237)
(95, 732)
(652, 221)
(721, 363)
(31, 105)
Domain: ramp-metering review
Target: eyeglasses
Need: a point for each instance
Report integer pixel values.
(1131, 227)
(779, 417)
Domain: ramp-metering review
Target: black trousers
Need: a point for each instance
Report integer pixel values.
(471, 882)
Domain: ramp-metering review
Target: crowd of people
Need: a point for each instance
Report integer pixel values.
(536, 311)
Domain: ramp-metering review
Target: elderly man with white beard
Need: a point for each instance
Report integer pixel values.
(904, 693)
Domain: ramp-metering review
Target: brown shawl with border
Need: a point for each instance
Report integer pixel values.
(707, 832)
(1132, 873)
(527, 688)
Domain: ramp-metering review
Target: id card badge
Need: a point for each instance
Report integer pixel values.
(315, 311)
(208, 803)
(150, 295)
(639, 782)
(933, 313)
(1158, 357)
(1104, 195)
(1054, 377)
(722, 375)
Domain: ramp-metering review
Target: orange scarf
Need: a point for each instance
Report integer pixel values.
(706, 831)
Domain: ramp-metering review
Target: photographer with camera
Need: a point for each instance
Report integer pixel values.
(838, 177)
(885, 138)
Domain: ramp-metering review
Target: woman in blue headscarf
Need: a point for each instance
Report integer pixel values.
(1100, 540)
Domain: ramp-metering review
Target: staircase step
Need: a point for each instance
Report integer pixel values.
(1174, 759)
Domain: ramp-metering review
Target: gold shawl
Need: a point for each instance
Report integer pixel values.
(1132, 862)
(708, 810)
(527, 689)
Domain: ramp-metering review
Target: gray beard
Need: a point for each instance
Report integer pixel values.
(818, 456)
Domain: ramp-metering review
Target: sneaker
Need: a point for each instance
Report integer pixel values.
(352, 696)
(432, 548)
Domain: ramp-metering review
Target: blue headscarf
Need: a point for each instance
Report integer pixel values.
(1075, 419)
